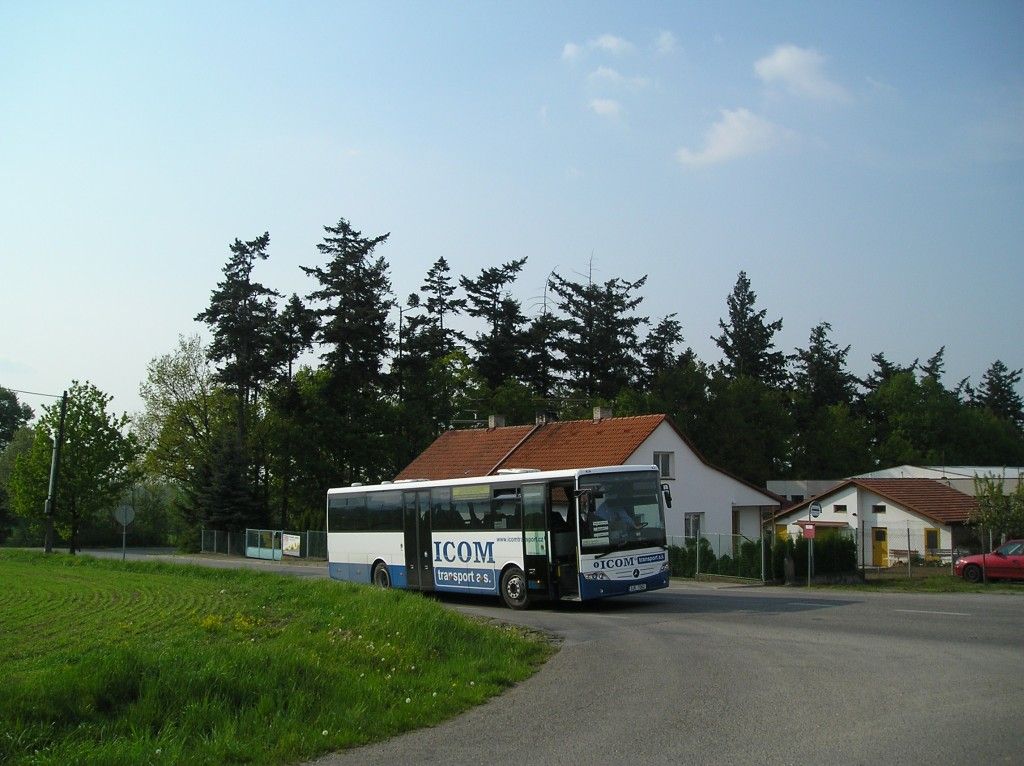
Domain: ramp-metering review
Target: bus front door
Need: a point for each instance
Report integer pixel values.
(564, 543)
(419, 567)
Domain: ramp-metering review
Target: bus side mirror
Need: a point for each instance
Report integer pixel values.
(668, 495)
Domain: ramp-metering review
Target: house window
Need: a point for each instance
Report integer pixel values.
(878, 508)
(664, 461)
(796, 498)
(692, 524)
(838, 508)
(931, 539)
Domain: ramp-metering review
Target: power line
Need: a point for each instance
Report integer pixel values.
(32, 393)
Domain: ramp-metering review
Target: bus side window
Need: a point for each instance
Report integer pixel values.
(443, 514)
(384, 511)
(507, 513)
(347, 513)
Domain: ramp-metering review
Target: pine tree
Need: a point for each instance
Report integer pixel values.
(746, 340)
(354, 298)
(820, 377)
(998, 393)
(885, 370)
(598, 343)
(296, 327)
(935, 366)
(438, 288)
(658, 351)
(499, 349)
(242, 318)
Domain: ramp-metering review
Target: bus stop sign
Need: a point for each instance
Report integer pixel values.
(815, 509)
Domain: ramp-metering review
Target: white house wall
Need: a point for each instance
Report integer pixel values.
(896, 520)
(698, 488)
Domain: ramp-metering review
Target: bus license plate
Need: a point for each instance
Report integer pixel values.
(638, 587)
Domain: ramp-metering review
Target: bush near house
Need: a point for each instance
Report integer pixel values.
(683, 560)
(833, 555)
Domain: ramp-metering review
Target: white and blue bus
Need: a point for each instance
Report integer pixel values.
(568, 535)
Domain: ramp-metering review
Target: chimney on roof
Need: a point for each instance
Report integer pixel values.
(546, 416)
(602, 413)
(495, 421)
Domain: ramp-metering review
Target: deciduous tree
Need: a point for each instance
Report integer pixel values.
(13, 415)
(98, 462)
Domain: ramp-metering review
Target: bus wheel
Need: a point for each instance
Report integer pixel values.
(513, 588)
(381, 576)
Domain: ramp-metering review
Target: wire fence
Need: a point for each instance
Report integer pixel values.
(716, 554)
(880, 549)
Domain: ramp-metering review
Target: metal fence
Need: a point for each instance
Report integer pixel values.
(270, 544)
(219, 541)
(917, 549)
(883, 550)
(716, 554)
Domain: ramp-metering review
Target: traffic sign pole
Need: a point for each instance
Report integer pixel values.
(814, 509)
(124, 515)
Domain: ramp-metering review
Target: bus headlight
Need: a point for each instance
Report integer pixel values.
(595, 576)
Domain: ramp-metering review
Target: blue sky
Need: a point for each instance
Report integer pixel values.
(862, 162)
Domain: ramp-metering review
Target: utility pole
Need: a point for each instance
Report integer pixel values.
(51, 496)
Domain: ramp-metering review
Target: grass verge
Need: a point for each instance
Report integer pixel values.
(936, 583)
(110, 662)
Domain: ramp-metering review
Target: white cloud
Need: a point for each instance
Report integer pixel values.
(611, 44)
(665, 43)
(608, 76)
(606, 43)
(606, 107)
(801, 72)
(739, 133)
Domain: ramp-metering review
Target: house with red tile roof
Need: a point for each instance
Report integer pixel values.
(890, 519)
(706, 500)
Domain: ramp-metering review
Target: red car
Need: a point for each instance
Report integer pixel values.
(1004, 563)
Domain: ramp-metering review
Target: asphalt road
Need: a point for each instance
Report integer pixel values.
(727, 675)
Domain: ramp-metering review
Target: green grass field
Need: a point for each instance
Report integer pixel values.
(107, 662)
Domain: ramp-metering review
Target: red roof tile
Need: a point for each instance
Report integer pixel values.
(583, 443)
(549, 447)
(926, 496)
(472, 452)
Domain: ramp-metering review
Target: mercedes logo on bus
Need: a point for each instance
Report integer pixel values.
(636, 573)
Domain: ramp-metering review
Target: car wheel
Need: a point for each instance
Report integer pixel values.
(381, 576)
(513, 588)
(972, 573)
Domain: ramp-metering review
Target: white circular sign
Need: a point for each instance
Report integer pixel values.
(815, 509)
(124, 515)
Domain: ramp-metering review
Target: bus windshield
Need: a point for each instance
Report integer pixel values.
(624, 511)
